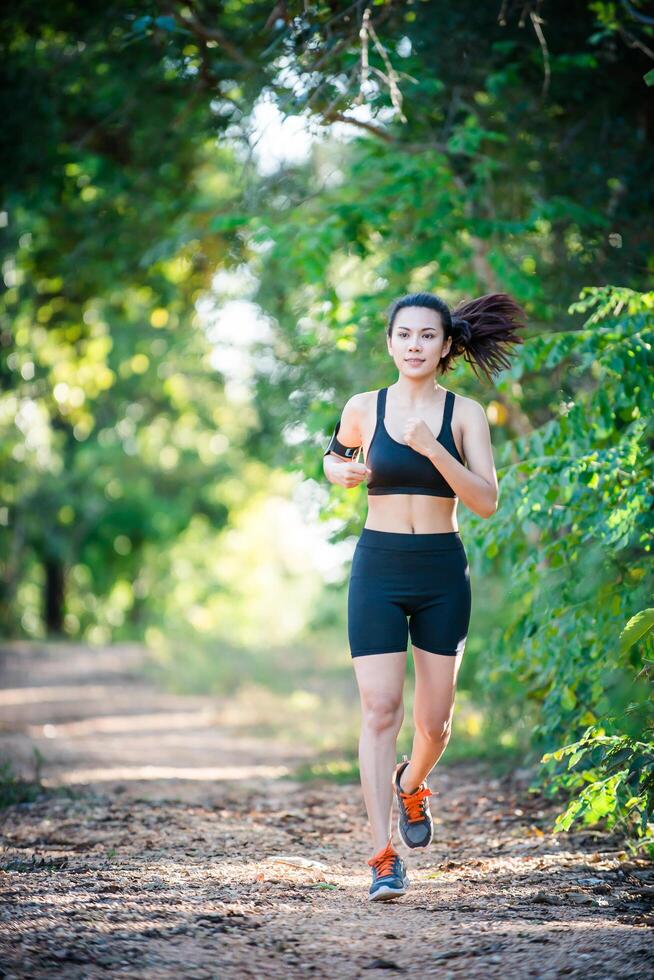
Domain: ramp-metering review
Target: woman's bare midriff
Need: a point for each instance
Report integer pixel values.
(411, 513)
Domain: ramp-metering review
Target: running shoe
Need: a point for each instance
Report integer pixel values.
(389, 875)
(414, 823)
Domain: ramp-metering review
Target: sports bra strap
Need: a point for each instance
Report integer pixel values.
(381, 403)
(449, 408)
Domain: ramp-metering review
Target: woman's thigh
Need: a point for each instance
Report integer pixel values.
(380, 678)
(435, 689)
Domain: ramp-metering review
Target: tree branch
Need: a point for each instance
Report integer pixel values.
(205, 33)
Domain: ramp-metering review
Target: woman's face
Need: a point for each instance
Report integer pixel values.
(417, 342)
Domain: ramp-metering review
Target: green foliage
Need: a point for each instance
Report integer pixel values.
(614, 780)
(110, 401)
(121, 199)
(574, 526)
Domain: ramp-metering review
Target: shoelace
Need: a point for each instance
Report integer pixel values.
(415, 802)
(383, 861)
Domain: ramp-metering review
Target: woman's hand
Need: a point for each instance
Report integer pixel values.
(419, 436)
(348, 474)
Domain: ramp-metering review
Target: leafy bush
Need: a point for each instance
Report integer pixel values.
(573, 534)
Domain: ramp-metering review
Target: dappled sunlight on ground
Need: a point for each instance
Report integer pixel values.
(182, 848)
(204, 774)
(163, 721)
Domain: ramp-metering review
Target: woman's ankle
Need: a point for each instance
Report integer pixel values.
(377, 847)
(407, 785)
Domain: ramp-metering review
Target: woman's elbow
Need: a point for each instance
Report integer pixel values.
(491, 508)
(488, 508)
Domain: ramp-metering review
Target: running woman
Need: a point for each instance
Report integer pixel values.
(409, 573)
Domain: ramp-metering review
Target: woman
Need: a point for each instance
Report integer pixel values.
(410, 560)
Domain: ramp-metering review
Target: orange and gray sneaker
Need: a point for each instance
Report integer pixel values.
(414, 823)
(389, 876)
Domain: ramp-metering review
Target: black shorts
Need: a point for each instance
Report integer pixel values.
(422, 576)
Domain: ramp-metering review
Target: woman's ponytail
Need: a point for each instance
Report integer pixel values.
(483, 330)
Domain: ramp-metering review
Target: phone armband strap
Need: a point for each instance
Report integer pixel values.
(339, 448)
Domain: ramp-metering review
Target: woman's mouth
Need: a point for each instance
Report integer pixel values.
(414, 360)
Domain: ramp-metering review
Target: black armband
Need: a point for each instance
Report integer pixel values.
(339, 448)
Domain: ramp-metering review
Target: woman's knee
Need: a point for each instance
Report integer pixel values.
(382, 712)
(434, 729)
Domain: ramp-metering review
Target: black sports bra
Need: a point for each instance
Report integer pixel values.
(397, 468)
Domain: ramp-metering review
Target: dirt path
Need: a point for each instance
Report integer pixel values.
(150, 855)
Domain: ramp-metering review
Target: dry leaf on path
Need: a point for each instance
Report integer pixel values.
(298, 862)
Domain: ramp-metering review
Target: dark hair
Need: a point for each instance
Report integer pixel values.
(482, 328)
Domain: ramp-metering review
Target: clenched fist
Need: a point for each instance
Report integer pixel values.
(419, 436)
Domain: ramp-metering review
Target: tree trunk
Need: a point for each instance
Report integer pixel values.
(53, 605)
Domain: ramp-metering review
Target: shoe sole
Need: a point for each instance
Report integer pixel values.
(384, 893)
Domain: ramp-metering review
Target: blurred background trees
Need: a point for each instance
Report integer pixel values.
(205, 214)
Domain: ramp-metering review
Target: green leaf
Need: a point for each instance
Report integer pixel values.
(568, 698)
(575, 757)
(637, 627)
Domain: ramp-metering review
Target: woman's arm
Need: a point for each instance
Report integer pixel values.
(342, 469)
(476, 486)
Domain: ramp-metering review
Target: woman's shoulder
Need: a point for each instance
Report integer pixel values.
(362, 401)
(467, 409)
(354, 417)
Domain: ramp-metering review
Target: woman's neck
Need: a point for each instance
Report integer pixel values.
(423, 391)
